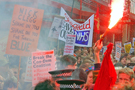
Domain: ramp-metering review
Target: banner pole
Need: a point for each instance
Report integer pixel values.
(18, 72)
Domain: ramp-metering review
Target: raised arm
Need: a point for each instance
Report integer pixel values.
(97, 47)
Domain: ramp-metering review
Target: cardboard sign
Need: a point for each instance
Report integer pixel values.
(24, 30)
(127, 47)
(42, 63)
(118, 50)
(56, 27)
(83, 32)
(69, 44)
(28, 74)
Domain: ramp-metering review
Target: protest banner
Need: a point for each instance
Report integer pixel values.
(83, 32)
(42, 63)
(127, 47)
(56, 27)
(118, 48)
(24, 30)
(28, 74)
(69, 44)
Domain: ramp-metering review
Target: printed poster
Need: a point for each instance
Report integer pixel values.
(127, 47)
(118, 50)
(56, 27)
(24, 30)
(69, 44)
(42, 63)
(83, 32)
(28, 74)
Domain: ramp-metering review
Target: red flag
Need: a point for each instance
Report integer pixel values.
(107, 75)
(96, 22)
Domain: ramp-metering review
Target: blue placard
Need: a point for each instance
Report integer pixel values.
(82, 37)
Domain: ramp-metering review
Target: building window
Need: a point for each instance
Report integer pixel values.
(132, 6)
(108, 1)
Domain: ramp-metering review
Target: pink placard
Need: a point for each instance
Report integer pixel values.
(42, 63)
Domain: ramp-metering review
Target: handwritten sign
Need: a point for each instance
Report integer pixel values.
(28, 74)
(118, 50)
(24, 30)
(56, 27)
(127, 47)
(83, 31)
(42, 62)
(69, 44)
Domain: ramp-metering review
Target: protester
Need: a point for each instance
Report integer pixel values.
(1, 82)
(89, 83)
(79, 61)
(122, 62)
(68, 62)
(77, 51)
(10, 84)
(15, 70)
(133, 59)
(46, 85)
(125, 75)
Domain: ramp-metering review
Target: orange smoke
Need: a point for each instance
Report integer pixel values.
(117, 8)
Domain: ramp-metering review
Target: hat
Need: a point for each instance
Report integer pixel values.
(89, 68)
(118, 65)
(78, 77)
(79, 74)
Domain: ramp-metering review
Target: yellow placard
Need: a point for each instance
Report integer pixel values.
(127, 48)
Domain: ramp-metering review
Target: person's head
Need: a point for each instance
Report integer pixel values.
(78, 51)
(128, 61)
(10, 84)
(78, 59)
(1, 82)
(133, 59)
(123, 60)
(89, 77)
(68, 61)
(128, 55)
(84, 66)
(125, 75)
(15, 70)
(79, 74)
(46, 85)
(132, 54)
(22, 77)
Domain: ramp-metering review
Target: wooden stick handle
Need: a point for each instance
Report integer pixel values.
(18, 72)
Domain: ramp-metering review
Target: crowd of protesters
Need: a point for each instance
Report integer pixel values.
(90, 59)
(85, 60)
